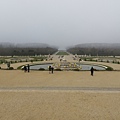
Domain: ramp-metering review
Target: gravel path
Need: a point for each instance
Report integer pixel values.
(85, 89)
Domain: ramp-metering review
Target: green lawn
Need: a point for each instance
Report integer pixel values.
(62, 53)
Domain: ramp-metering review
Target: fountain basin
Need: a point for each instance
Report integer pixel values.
(71, 66)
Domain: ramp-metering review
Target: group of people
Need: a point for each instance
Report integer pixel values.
(27, 68)
(51, 69)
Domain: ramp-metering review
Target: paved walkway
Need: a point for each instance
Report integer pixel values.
(84, 89)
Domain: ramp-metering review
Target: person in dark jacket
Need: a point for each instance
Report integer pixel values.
(28, 68)
(49, 69)
(25, 68)
(52, 69)
(92, 70)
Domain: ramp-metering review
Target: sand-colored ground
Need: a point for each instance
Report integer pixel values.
(29, 101)
(17, 78)
(64, 95)
(59, 105)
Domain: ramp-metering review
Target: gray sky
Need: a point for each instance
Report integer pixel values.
(60, 22)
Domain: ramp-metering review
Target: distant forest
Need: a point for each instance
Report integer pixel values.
(93, 49)
(26, 50)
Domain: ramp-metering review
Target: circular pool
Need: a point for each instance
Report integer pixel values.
(81, 66)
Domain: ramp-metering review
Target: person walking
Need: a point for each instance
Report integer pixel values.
(49, 69)
(25, 68)
(28, 68)
(92, 70)
(52, 69)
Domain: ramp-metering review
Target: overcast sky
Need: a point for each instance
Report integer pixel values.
(60, 22)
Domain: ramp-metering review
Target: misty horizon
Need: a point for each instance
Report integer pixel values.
(61, 23)
(43, 45)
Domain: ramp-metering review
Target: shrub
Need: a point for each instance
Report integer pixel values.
(41, 59)
(91, 59)
(41, 69)
(58, 69)
(1, 61)
(20, 67)
(85, 59)
(109, 69)
(76, 69)
(11, 68)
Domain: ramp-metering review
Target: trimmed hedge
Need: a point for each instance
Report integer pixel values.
(58, 70)
(41, 69)
(10, 68)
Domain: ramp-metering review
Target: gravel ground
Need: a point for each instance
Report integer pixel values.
(64, 95)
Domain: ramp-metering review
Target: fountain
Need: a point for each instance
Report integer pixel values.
(64, 65)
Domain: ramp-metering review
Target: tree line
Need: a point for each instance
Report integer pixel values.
(30, 51)
(93, 51)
